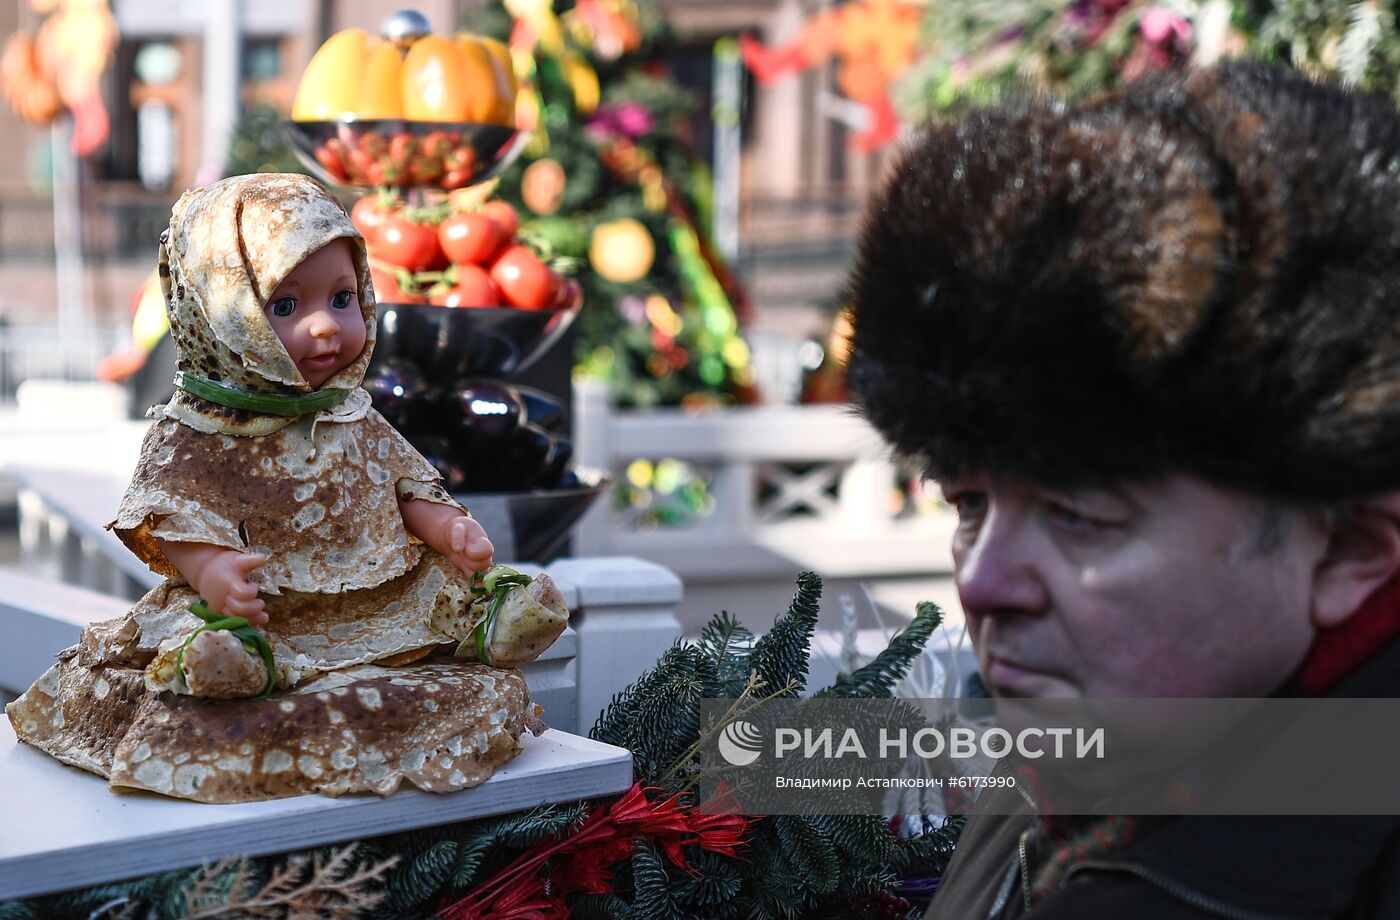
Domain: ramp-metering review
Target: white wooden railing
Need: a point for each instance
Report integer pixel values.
(793, 487)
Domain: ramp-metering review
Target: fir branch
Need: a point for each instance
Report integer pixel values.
(523, 830)
(712, 890)
(601, 907)
(529, 828)
(877, 679)
(741, 705)
(810, 850)
(860, 839)
(727, 643)
(323, 885)
(421, 877)
(214, 885)
(657, 717)
(929, 852)
(651, 886)
(470, 856)
(782, 656)
(120, 899)
(614, 722)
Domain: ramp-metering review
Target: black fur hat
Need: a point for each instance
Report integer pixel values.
(1198, 275)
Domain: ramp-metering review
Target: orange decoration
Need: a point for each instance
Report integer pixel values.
(354, 74)
(28, 88)
(436, 81)
(874, 40)
(62, 67)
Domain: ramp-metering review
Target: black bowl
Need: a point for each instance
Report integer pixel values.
(324, 148)
(447, 343)
(394, 385)
(534, 526)
(542, 409)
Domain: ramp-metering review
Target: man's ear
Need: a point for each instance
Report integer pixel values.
(1363, 553)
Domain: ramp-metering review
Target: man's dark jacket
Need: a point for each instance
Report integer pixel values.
(1189, 868)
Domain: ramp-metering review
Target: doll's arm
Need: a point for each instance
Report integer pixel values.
(220, 576)
(449, 531)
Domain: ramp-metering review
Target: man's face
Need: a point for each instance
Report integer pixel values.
(1159, 589)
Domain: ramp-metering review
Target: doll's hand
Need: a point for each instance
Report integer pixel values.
(470, 550)
(223, 583)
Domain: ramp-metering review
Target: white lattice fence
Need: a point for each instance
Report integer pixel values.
(787, 487)
(46, 352)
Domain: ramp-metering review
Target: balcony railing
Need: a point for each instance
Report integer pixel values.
(119, 222)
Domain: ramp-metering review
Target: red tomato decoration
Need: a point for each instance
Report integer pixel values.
(470, 238)
(407, 244)
(368, 216)
(422, 170)
(387, 289)
(463, 158)
(474, 288)
(504, 215)
(373, 144)
(359, 162)
(380, 173)
(436, 144)
(525, 281)
(331, 163)
(402, 147)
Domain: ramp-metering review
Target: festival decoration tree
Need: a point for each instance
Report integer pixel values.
(610, 178)
(979, 50)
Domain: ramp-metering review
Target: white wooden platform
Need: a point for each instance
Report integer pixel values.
(61, 828)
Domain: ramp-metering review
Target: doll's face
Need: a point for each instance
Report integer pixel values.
(315, 311)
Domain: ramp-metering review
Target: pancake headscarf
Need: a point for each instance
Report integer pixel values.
(316, 491)
(228, 247)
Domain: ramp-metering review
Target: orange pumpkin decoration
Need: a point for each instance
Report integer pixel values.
(435, 83)
(332, 85)
(382, 96)
(355, 75)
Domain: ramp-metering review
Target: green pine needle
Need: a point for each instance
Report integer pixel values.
(727, 643)
(420, 879)
(784, 654)
(877, 679)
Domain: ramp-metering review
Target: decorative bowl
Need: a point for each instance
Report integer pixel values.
(407, 154)
(448, 343)
(535, 526)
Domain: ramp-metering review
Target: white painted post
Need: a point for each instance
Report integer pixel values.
(220, 103)
(593, 450)
(735, 490)
(35, 546)
(40, 619)
(625, 619)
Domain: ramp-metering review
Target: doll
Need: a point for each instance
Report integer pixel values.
(269, 489)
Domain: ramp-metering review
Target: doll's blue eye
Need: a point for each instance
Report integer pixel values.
(342, 300)
(284, 307)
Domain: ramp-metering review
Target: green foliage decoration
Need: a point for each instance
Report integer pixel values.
(795, 866)
(257, 144)
(631, 157)
(977, 51)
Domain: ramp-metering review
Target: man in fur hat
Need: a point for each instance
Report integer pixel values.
(1150, 349)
